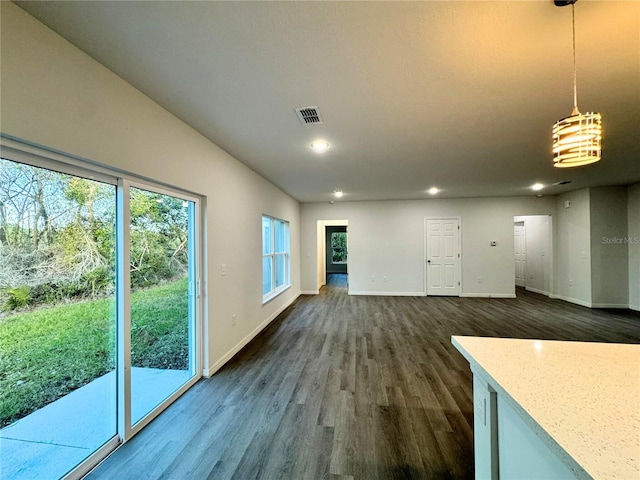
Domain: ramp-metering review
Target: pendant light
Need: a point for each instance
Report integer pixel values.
(576, 138)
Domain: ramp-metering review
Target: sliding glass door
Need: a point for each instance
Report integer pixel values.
(162, 277)
(98, 311)
(57, 319)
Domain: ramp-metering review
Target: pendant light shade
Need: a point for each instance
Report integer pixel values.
(577, 139)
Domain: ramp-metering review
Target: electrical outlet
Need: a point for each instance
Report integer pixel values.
(234, 319)
(385, 279)
(479, 279)
(223, 270)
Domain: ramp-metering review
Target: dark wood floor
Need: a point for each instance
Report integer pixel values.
(343, 387)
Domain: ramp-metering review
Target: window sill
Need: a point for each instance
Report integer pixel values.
(271, 295)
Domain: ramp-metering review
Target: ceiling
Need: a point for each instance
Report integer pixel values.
(460, 95)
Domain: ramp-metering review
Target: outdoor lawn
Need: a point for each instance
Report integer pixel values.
(48, 352)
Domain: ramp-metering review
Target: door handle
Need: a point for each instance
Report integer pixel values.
(428, 261)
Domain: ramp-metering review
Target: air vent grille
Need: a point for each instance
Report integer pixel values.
(563, 182)
(309, 115)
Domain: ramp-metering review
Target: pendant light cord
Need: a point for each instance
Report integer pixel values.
(575, 82)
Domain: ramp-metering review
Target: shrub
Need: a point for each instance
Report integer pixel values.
(45, 293)
(18, 297)
(55, 293)
(93, 284)
(98, 280)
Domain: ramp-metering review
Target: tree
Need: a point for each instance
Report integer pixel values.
(339, 247)
(158, 237)
(55, 229)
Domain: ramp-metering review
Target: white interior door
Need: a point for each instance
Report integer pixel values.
(443, 256)
(520, 254)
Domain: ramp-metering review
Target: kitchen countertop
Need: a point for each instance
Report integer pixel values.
(581, 398)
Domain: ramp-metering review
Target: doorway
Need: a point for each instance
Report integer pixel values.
(324, 255)
(520, 253)
(336, 253)
(533, 253)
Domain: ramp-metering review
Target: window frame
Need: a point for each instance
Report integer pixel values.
(273, 256)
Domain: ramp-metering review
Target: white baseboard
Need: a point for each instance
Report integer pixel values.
(582, 303)
(488, 295)
(609, 305)
(536, 290)
(387, 294)
(635, 307)
(592, 305)
(207, 372)
(309, 292)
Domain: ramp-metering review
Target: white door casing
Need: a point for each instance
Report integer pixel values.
(443, 256)
(520, 255)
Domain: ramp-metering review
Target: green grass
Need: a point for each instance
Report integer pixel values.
(47, 353)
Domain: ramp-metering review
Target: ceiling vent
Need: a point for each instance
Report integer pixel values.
(563, 182)
(309, 115)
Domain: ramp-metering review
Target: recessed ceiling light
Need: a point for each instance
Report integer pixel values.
(433, 190)
(537, 186)
(338, 193)
(320, 146)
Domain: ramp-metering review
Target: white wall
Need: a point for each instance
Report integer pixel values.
(573, 248)
(387, 239)
(609, 247)
(633, 218)
(56, 96)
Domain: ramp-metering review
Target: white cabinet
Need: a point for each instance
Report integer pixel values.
(505, 447)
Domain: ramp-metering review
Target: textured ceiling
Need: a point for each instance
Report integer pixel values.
(460, 95)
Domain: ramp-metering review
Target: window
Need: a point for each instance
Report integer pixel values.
(275, 257)
(339, 247)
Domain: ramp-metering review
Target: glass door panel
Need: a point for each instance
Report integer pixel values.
(57, 320)
(162, 272)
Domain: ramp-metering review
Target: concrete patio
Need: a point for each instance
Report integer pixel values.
(51, 441)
